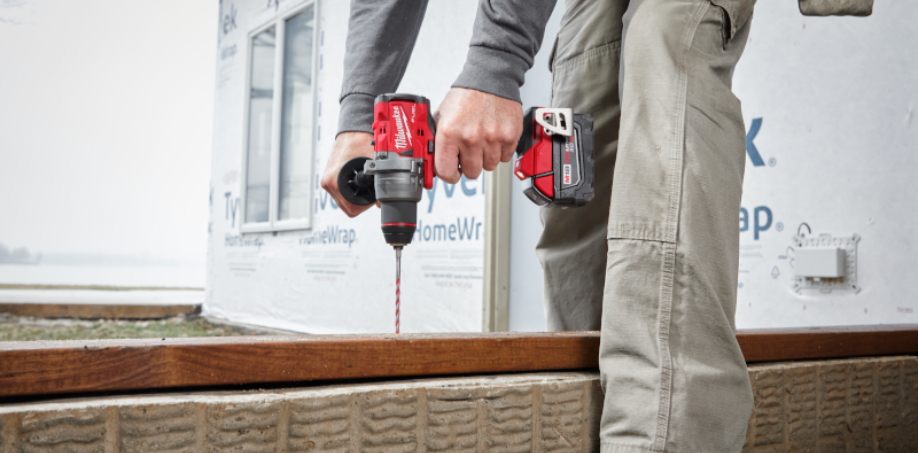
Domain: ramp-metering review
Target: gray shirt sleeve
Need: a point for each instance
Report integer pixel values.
(381, 36)
(506, 37)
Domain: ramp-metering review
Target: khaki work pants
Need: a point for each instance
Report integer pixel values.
(652, 260)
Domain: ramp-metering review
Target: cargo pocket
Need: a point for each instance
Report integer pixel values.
(588, 81)
(735, 14)
(551, 56)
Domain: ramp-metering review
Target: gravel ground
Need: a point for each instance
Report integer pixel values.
(26, 329)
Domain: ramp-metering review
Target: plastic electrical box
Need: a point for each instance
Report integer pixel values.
(822, 262)
(825, 262)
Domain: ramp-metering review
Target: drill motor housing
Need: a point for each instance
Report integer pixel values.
(555, 157)
(403, 164)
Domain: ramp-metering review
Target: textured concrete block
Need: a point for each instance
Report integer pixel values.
(768, 390)
(453, 419)
(249, 426)
(822, 406)
(834, 406)
(73, 430)
(510, 419)
(388, 420)
(145, 428)
(321, 424)
(749, 443)
(910, 405)
(833, 393)
(562, 418)
(861, 407)
(801, 408)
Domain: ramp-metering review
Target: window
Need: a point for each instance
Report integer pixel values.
(278, 156)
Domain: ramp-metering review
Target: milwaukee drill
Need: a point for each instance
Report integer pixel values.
(403, 144)
(555, 162)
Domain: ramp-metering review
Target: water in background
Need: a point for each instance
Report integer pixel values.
(49, 274)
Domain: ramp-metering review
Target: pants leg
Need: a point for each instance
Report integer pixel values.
(572, 248)
(674, 376)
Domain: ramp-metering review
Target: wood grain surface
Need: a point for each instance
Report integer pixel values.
(776, 345)
(66, 367)
(99, 311)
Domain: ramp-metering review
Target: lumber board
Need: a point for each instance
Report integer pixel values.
(68, 367)
(99, 311)
(778, 345)
(32, 368)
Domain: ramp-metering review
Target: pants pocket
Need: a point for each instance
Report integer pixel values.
(588, 82)
(735, 13)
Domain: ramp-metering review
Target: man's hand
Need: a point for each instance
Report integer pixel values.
(477, 130)
(348, 145)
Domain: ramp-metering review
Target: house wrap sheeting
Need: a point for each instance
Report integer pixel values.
(829, 105)
(338, 275)
(832, 158)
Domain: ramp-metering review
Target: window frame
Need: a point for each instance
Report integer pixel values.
(279, 23)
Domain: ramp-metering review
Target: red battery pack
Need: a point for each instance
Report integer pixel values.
(555, 157)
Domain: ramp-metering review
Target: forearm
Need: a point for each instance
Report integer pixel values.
(380, 38)
(506, 38)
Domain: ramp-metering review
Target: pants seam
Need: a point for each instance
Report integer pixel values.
(574, 61)
(669, 249)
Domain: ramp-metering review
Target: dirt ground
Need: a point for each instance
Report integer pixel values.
(26, 329)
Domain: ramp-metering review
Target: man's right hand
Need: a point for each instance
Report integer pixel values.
(348, 145)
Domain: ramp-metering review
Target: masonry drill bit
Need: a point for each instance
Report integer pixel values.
(398, 283)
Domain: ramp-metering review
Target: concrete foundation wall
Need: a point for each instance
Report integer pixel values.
(842, 405)
(861, 405)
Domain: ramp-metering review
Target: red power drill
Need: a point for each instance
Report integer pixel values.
(556, 159)
(403, 142)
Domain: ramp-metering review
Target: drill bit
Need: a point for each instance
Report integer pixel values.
(398, 283)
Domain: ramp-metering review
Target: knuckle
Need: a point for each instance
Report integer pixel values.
(493, 134)
(510, 135)
(448, 133)
(472, 134)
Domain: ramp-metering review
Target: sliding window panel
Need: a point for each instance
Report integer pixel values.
(295, 188)
(258, 154)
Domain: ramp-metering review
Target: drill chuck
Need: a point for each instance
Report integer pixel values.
(399, 220)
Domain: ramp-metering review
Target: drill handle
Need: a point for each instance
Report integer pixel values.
(357, 187)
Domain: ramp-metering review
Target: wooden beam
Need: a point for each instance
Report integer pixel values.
(776, 345)
(99, 311)
(61, 367)
(33, 368)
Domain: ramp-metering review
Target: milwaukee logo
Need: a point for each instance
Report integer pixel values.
(402, 134)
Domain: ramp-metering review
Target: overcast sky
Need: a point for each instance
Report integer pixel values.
(105, 125)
